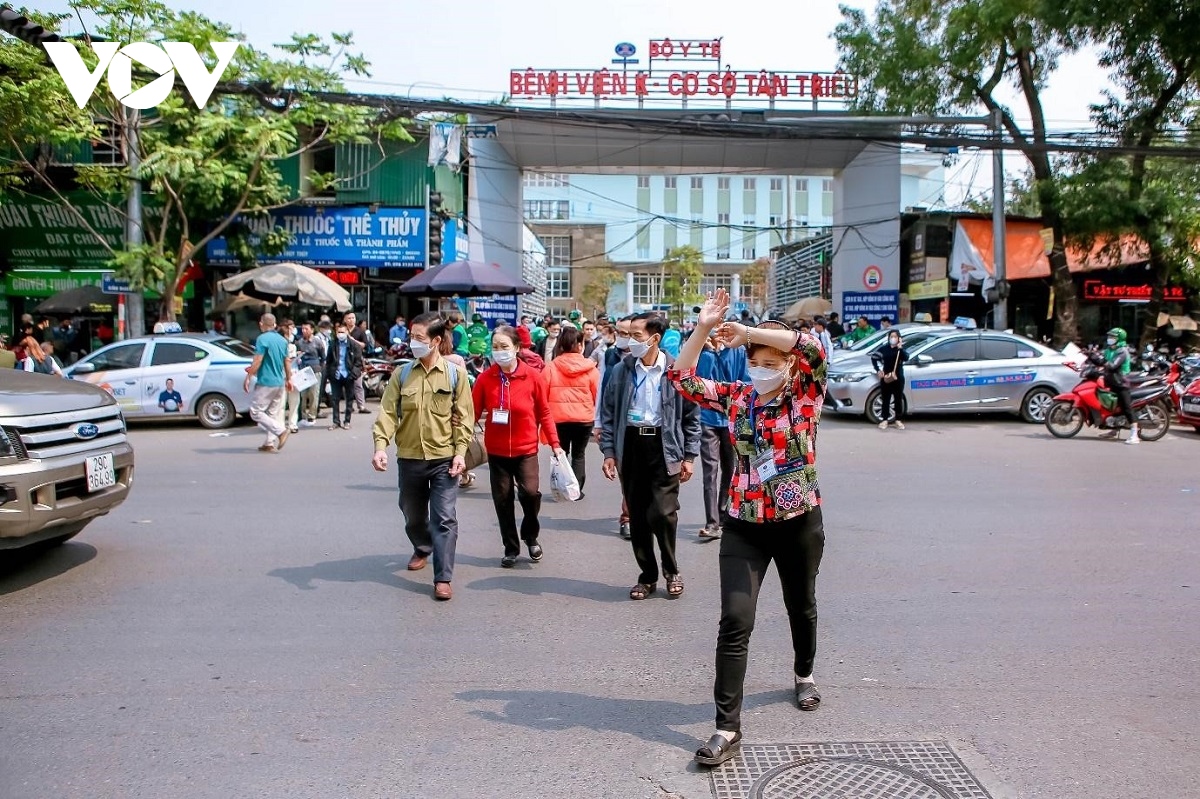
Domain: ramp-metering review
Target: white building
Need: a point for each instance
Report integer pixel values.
(732, 219)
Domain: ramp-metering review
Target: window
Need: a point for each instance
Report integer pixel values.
(238, 348)
(775, 221)
(643, 181)
(558, 282)
(827, 197)
(710, 283)
(109, 149)
(827, 185)
(647, 289)
(697, 183)
(670, 182)
(722, 219)
(776, 184)
(322, 161)
(353, 166)
(168, 353)
(997, 349)
(547, 209)
(748, 253)
(962, 349)
(546, 179)
(126, 356)
(749, 184)
(558, 250)
(722, 184)
(643, 251)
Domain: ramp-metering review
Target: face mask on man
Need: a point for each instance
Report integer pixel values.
(1112, 342)
(638, 349)
(343, 336)
(420, 349)
(622, 342)
(765, 380)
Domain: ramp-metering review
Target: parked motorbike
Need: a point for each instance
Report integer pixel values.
(1185, 390)
(1091, 403)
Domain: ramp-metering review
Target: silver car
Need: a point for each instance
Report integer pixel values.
(162, 376)
(968, 371)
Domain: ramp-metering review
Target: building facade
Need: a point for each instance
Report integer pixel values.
(733, 220)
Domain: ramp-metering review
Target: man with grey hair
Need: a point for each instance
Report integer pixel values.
(274, 373)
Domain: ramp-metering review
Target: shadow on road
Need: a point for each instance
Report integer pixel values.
(380, 569)
(560, 586)
(19, 570)
(606, 527)
(648, 719)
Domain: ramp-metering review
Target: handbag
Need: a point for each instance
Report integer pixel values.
(476, 454)
(891, 377)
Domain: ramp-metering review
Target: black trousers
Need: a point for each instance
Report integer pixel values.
(343, 391)
(796, 546)
(574, 437)
(892, 395)
(521, 474)
(652, 496)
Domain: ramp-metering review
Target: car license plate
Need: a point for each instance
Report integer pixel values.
(100, 472)
(1191, 407)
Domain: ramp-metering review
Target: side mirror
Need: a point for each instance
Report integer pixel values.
(83, 369)
(922, 360)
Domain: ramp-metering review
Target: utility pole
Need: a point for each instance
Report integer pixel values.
(999, 253)
(135, 306)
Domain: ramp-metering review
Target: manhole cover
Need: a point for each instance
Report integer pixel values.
(843, 778)
(881, 770)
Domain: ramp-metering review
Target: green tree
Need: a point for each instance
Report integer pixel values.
(953, 57)
(682, 271)
(595, 294)
(1020, 199)
(202, 169)
(1153, 61)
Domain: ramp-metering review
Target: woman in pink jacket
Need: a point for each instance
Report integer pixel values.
(573, 382)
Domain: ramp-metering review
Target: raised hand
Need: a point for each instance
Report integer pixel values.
(714, 309)
(732, 334)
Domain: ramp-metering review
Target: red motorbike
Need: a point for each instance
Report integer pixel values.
(1185, 391)
(1091, 403)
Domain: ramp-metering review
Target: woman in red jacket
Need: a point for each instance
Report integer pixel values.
(574, 382)
(513, 396)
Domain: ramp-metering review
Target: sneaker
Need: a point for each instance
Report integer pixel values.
(307, 423)
(295, 430)
(1133, 439)
(899, 425)
(535, 552)
(883, 425)
(624, 532)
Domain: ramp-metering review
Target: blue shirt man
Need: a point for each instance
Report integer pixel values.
(398, 331)
(171, 396)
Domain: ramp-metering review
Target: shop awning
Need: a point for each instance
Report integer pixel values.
(1025, 254)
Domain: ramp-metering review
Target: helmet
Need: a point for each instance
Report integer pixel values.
(573, 315)
(1119, 334)
(477, 318)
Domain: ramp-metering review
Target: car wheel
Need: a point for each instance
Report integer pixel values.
(215, 411)
(1064, 420)
(1153, 423)
(874, 408)
(1036, 404)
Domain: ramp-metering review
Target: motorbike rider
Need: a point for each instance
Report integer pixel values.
(1117, 363)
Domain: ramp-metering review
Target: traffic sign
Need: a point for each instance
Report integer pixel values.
(480, 131)
(110, 284)
(872, 278)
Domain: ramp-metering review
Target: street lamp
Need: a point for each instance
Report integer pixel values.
(995, 121)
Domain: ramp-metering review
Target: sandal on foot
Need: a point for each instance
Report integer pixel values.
(807, 696)
(642, 590)
(674, 586)
(718, 749)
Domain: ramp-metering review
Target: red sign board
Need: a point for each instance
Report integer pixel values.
(680, 70)
(1099, 290)
(343, 277)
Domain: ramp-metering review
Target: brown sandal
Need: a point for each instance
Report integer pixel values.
(642, 590)
(674, 586)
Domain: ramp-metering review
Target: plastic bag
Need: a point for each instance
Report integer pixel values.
(562, 480)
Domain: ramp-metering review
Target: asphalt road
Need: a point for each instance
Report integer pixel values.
(243, 626)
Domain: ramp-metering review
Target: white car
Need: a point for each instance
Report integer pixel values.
(971, 371)
(190, 374)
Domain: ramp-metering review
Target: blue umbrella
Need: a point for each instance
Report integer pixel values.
(465, 279)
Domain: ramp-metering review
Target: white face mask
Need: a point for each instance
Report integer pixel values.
(420, 349)
(622, 342)
(342, 336)
(1112, 342)
(638, 349)
(765, 380)
(504, 357)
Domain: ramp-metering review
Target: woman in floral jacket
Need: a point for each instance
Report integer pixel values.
(775, 503)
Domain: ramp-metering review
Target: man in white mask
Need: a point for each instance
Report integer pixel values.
(428, 413)
(650, 437)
